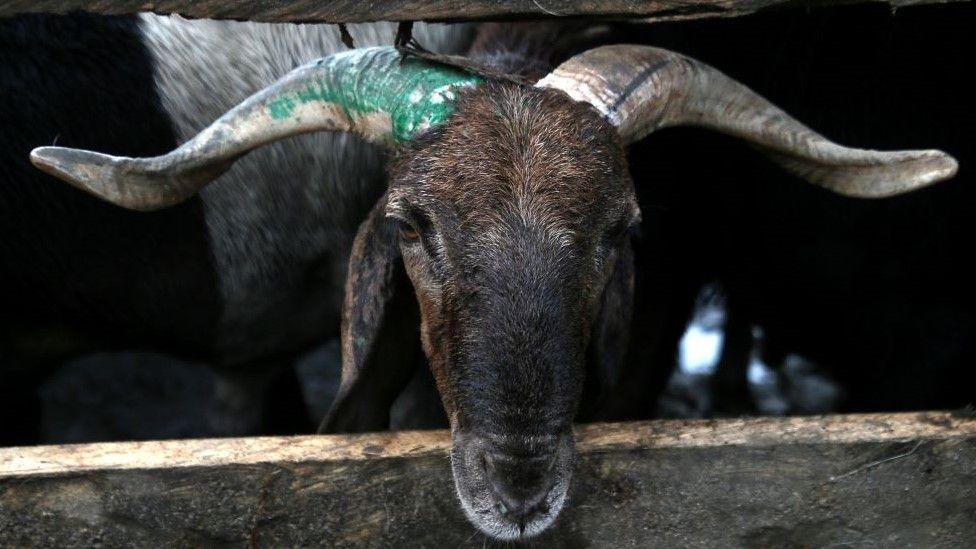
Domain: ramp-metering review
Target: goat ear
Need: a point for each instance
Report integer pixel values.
(609, 336)
(380, 329)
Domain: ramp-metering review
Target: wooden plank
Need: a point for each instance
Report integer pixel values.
(354, 11)
(885, 480)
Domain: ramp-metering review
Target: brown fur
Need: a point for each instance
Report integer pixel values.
(512, 153)
(510, 221)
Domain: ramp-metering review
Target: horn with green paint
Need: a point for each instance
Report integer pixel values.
(372, 92)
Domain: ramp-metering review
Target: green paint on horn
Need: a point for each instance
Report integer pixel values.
(415, 93)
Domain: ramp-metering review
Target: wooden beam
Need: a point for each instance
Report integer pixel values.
(355, 11)
(880, 480)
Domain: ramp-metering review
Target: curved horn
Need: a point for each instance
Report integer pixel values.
(640, 89)
(371, 91)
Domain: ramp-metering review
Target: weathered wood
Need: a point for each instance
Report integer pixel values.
(864, 480)
(353, 11)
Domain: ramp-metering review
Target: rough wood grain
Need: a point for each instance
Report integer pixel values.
(878, 480)
(353, 11)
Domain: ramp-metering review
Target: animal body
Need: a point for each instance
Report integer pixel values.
(503, 233)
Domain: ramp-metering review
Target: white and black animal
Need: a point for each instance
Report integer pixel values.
(503, 232)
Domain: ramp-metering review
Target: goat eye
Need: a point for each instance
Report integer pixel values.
(615, 236)
(416, 231)
(617, 233)
(408, 232)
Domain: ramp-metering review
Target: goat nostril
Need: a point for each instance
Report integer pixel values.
(519, 508)
(552, 464)
(522, 485)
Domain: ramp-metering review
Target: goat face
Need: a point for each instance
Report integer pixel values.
(512, 219)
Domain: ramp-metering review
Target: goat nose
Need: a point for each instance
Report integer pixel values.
(520, 484)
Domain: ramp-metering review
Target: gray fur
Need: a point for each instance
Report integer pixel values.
(282, 220)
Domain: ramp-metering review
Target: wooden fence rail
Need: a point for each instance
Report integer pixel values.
(355, 11)
(896, 480)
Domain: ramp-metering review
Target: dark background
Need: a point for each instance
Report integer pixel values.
(879, 293)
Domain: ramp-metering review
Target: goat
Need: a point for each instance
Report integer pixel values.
(508, 209)
(246, 277)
